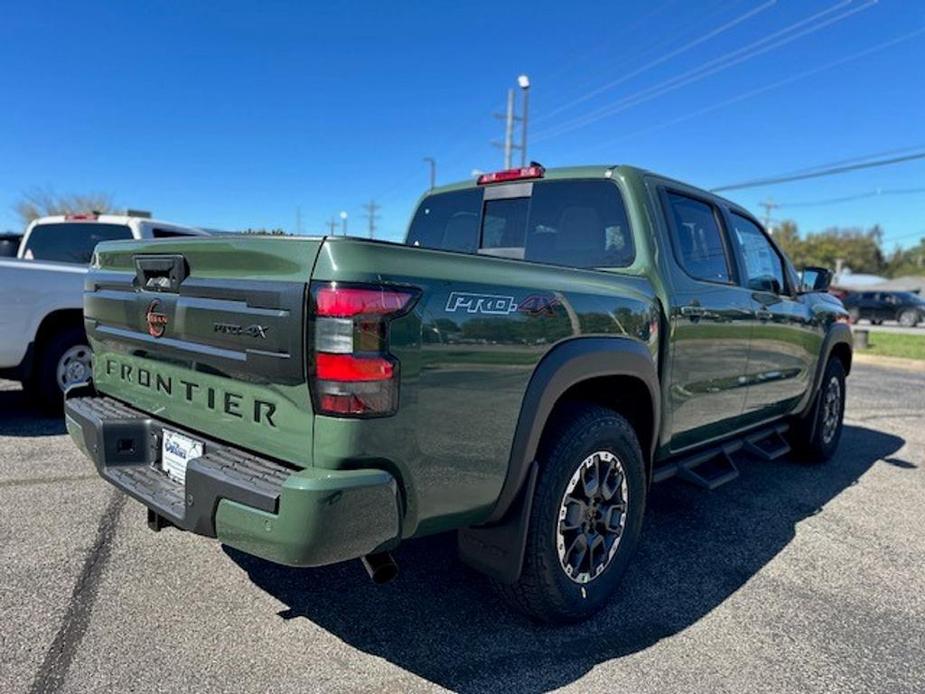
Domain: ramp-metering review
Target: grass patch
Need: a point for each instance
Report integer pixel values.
(892, 345)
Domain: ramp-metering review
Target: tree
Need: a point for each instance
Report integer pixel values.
(858, 249)
(41, 202)
(909, 261)
(787, 237)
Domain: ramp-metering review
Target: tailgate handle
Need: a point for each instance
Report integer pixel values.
(160, 273)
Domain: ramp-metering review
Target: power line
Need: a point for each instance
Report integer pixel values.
(658, 61)
(371, 216)
(608, 43)
(879, 192)
(774, 85)
(707, 69)
(774, 180)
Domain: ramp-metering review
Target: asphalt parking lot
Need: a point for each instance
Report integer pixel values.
(793, 578)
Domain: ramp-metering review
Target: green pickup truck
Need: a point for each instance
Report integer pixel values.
(544, 346)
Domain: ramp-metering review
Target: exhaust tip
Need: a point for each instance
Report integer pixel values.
(380, 567)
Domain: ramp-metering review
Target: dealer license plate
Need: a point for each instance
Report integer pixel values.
(176, 452)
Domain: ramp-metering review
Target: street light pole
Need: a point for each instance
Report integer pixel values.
(343, 219)
(433, 171)
(524, 82)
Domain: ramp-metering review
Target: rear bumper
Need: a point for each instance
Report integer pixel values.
(305, 517)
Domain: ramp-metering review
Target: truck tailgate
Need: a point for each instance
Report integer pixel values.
(209, 334)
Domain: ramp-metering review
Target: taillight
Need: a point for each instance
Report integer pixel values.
(352, 372)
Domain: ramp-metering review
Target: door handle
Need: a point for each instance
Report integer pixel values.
(763, 314)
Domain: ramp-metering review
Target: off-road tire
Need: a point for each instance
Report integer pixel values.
(811, 439)
(544, 591)
(43, 385)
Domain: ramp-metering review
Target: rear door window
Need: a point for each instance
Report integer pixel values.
(697, 239)
(71, 242)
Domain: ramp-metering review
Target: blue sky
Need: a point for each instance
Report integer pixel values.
(232, 115)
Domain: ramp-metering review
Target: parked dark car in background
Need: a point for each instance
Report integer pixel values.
(9, 245)
(906, 307)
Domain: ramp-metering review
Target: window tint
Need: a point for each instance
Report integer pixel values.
(762, 263)
(71, 242)
(698, 239)
(579, 224)
(574, 223)
(448, 221)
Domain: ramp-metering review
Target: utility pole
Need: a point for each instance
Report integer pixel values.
(371, 215)
(768, 205)
(509, 130)
(331, 224)
(510, 118)
(433, 171)
(343, 219)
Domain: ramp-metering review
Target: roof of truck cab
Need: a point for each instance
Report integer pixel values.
(116, 219)
(559, 172)
(604, 171)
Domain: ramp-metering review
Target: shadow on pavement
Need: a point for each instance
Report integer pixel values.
(440, 621)
(19, 417)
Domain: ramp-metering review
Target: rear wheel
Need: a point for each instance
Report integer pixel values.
(586, 516)
(817, 438)
(854, 314)
(908, 318)
(64, 360)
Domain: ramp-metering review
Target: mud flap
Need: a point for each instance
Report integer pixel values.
(497, 550)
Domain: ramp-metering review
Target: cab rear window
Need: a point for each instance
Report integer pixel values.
(573, 223)
(71, 242)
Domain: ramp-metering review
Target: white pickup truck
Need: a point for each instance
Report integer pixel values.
(42, 340)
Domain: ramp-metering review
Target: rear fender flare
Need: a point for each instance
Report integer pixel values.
(497, 547)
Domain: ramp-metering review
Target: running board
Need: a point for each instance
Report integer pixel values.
(768, 444)
(708, 469)
(715, 466)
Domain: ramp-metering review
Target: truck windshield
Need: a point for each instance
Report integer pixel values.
(71, 242)
(579, 223)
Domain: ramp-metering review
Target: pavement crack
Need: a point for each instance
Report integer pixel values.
(57, 662)
(46, 480)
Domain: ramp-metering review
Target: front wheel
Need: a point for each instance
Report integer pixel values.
(818, 437)
(854, 314)
(586, 516)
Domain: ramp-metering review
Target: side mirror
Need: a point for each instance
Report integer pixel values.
(815, 279)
